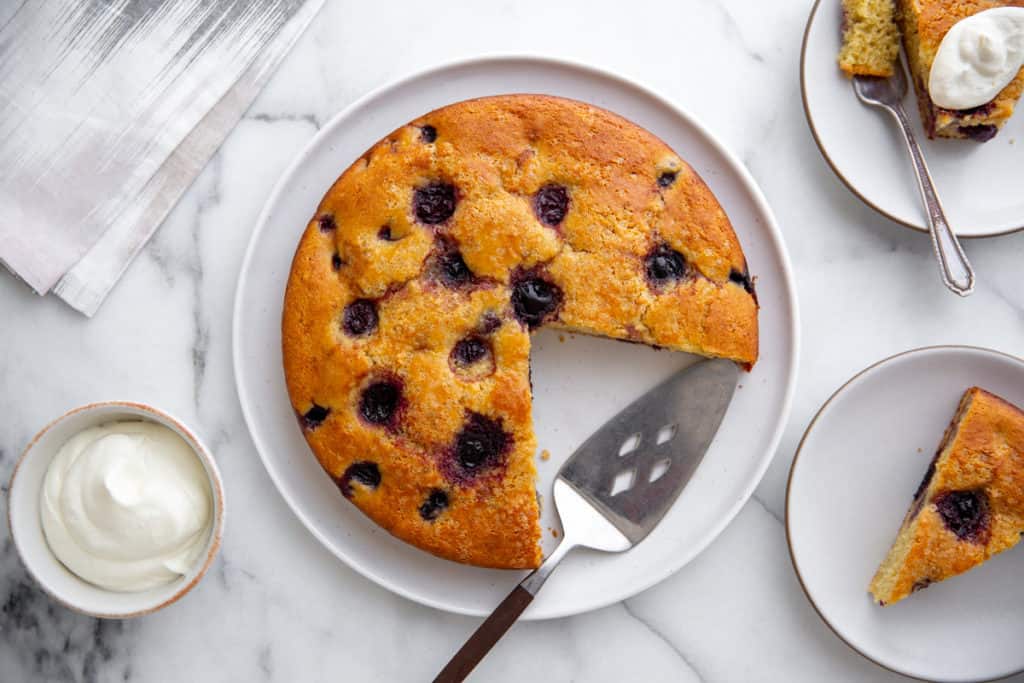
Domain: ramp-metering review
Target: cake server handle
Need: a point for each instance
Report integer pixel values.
(957, 273)
(501, 619)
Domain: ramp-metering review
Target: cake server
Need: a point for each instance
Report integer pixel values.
(618, 485)
(888, 94)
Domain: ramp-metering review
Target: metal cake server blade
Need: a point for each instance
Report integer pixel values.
(618, 485)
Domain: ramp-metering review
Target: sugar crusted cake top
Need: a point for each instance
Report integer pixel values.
(871, 41)
(416, 284)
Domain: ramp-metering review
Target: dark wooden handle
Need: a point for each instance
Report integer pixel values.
(484, 638)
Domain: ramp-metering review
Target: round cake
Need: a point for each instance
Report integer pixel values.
(415, 286)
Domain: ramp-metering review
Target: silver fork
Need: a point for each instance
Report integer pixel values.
(888, 94)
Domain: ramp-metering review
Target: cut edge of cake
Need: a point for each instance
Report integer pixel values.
(882, 584)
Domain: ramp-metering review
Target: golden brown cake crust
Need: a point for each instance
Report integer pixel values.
(427, 281)
(924, 23)
(983, 454)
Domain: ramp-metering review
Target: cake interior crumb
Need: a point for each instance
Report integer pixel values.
(870, 44)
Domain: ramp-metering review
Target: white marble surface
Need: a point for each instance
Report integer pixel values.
(277, 606)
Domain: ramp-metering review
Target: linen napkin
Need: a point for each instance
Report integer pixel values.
(108, 111)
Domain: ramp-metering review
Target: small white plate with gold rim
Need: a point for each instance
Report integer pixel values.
(979, 183)
(852, 480)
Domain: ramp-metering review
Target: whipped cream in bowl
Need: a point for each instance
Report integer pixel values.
(116, 509)
(978, 57)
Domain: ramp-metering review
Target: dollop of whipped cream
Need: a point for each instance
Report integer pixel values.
(127, 506)
(977, 58)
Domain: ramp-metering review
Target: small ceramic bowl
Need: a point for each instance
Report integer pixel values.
(27, 529)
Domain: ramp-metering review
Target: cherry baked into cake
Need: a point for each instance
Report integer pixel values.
(970, 505)
(417, 283)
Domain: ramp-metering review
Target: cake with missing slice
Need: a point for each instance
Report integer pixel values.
(419, 279)
(970, 505)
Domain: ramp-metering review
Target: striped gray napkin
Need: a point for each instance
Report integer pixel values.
(108, 111)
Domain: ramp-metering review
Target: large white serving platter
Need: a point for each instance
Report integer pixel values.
(578, 384)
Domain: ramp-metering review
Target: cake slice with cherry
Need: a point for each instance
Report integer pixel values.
(970, 505)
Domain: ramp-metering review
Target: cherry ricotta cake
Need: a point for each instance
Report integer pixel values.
(417, 283)
(970, 504)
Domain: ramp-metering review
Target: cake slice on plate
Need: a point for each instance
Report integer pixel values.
(970, 505)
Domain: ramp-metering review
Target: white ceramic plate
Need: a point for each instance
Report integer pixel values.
(980, 184)
(852, 481)
(577, 384)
